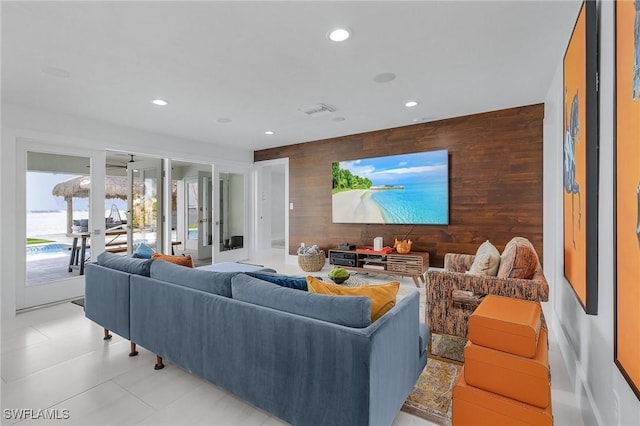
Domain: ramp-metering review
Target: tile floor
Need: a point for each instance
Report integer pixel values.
(53, 357)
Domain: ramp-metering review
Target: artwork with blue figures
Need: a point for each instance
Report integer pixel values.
(636, 45)
(572, 136)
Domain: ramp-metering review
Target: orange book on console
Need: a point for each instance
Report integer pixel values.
(369, 249)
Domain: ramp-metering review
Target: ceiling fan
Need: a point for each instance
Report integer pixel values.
(121, 166)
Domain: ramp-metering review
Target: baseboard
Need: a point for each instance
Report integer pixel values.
(577, 375)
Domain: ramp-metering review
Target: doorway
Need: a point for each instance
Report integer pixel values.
(272, 206)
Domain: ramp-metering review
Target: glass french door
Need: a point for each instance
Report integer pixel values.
(230, 215)
(144, 204)
(205, 215)
(60, 201)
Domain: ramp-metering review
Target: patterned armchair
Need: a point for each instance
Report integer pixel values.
(452, 295)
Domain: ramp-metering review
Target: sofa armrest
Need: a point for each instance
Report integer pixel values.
(456, 262)
(396, 358)
(107, 298)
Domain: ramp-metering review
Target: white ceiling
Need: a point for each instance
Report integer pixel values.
(258, 63)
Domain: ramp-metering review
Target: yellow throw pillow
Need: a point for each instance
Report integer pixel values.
(383, 296)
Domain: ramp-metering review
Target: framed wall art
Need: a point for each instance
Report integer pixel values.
(627, 192)
(580, 159)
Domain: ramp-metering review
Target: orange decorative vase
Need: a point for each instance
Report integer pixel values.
(402, 247)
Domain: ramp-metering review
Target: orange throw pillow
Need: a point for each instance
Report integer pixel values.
(518, 260)
(178, 260)
(383, 296)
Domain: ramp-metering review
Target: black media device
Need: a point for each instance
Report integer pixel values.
(342, 259)
(347, 246)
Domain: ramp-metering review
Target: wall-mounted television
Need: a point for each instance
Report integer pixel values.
(395, 189)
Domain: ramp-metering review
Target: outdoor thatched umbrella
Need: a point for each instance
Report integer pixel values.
(79, 186)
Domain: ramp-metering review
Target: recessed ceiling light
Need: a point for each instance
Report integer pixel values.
(339, 34)
(269, 132)
(411, 104)
(385, 77)
(160, 102)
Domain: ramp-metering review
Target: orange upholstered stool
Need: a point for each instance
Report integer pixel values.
(506, 324)
(520, 378)
(473, 406)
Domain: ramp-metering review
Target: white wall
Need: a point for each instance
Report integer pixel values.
(56, 130)
(586, 341)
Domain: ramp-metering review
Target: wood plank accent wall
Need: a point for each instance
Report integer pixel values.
(495, 185)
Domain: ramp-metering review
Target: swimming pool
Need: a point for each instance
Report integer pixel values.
(45, 251)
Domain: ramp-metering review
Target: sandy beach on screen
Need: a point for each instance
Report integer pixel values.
(355, 206)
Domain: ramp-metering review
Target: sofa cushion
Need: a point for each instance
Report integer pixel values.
(299, 283)
(348, 311)
(143, 251)
(209, 281)
(178, 260)
(486, 261)
(518, 259)
(383, 296)
(124, 263)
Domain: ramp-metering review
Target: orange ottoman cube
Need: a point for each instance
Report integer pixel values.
(505, 379)
(476, 407)
(516, 377)
(506, 324)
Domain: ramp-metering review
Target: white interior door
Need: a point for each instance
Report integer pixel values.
(271, 220)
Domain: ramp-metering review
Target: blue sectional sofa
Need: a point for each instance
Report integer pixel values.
(308, 359)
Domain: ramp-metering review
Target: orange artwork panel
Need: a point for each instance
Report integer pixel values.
(627, 346)
(574, 160)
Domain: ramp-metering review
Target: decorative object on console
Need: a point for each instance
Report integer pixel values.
(377, 243)
(347, 246)
(402, 247)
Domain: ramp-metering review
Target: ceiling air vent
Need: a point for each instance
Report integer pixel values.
(317, 110)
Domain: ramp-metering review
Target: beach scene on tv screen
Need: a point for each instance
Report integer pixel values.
(398, 189)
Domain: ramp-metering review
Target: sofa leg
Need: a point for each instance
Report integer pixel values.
(159, 365)
(107, 336)
(133, 350)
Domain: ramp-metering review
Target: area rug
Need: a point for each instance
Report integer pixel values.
(432, 393)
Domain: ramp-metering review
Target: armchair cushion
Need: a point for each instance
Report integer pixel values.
(487, 260)
(518, 260)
